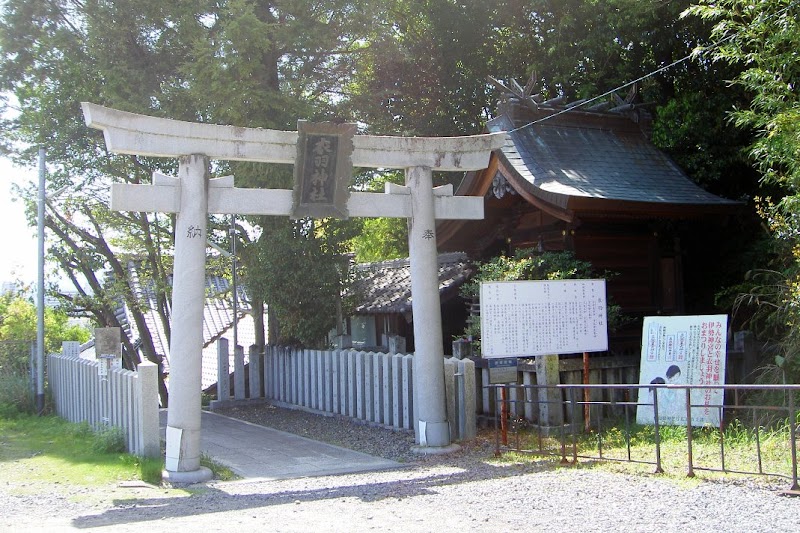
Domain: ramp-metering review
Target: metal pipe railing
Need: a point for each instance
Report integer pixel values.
(571, 406)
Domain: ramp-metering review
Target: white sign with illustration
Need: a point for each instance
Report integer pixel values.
(682, 350)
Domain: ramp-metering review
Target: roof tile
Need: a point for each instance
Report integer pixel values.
(385, 287)
(597, 162)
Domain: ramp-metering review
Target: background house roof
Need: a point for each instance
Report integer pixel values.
(217, 320)
(385, 287)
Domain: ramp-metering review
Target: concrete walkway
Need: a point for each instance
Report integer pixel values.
(258, 452)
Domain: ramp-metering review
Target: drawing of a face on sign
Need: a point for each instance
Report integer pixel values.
(322, 170)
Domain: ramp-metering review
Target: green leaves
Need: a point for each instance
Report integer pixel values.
(763, 39)
(528, 264)
(301, 275)
(18, 322)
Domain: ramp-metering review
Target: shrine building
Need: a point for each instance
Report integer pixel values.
(591, 182)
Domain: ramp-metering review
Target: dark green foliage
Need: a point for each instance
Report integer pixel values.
(394, 66)
(302, 275)
(248, 63)
(693, 128)
(527, 264)
(762, 39)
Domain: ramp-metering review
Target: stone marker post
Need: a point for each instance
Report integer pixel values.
(549, 397)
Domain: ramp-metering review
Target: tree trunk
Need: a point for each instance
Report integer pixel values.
(258, 322)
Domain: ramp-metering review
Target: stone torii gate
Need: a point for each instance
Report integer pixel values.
(193, 195)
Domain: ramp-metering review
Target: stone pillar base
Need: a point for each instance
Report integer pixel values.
(434, 434)
(435, 450)
(201, 475)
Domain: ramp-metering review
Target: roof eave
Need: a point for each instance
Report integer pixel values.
(586, 207)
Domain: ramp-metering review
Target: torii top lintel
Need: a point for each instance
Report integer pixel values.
(131, 133)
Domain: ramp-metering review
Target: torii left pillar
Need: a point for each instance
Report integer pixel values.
(186, 346)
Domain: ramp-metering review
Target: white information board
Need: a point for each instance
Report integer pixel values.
(523, 318)
(678, 350)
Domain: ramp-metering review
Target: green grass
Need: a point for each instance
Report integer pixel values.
(36, 450)
(741, 447)
(49, 449)
(221, 472)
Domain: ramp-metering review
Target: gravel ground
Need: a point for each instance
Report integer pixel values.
(464, 491)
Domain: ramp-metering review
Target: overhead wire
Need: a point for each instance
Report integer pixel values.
(696, 52)
(619, 88)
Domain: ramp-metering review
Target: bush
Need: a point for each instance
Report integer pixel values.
(80, 430)
(15, 356)
(16, 397)
(109, 440)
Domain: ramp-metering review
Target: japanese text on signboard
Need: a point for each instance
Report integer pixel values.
(677, 351)
(521, 318)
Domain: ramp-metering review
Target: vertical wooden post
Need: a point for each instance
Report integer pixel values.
(586, 395)
(503, 416)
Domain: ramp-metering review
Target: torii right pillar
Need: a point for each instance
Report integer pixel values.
(432, 427)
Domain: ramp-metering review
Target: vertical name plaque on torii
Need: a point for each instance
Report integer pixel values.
(193, 195)
(323, 170)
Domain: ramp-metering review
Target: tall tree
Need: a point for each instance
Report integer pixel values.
(47, 66)
(433, 56)
(425, 68)
(425, 72)
(762, 39)
(242, 62)
(395, 66)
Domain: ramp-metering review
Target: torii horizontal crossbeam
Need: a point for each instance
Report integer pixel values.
(193, 195)
(163, 197)
(131, 133)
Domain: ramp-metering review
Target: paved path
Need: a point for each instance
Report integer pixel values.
(258, 452)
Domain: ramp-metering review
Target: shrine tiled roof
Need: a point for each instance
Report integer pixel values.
(596, 156)
(385, 287)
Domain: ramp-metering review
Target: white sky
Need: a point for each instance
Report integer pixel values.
(17, 239)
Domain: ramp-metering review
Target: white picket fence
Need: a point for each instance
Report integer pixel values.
(374, 387)
(377, 388)
(121, 398)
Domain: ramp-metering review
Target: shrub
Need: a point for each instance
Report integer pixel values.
(15, 356)
(16, 397)
(80, 430)
(109, 440)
